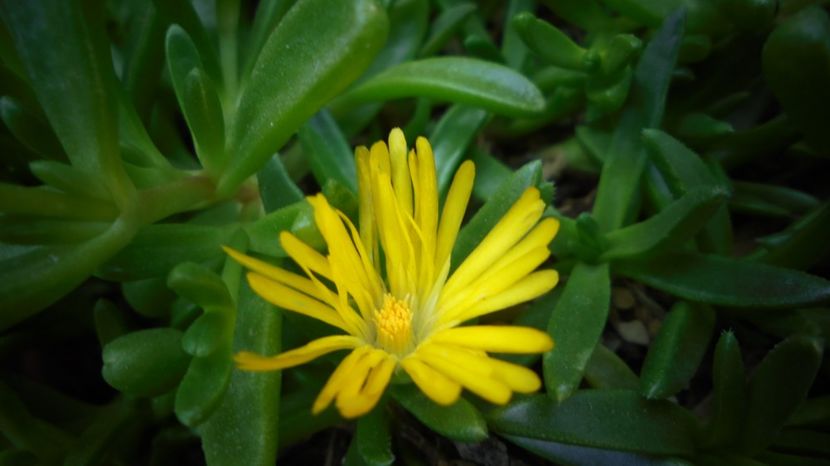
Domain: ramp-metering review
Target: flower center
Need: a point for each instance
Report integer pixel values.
(394, 324)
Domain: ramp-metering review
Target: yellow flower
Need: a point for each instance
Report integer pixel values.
(393, 295)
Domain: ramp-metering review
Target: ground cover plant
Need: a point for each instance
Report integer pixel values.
(577, 232)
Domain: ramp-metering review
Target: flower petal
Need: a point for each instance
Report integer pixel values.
(453, 214)
(292, 300)
(435, 385)
(530, 287)
(487, 388)
(519, 379)
(497, 338)
(285, 277)
(401, 180)
(338, 378)
(518, 220)
(351, 402)
(254, 362)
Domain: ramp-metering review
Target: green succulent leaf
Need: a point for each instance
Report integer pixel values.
(444, 26)
(451, 138)
(328, 152)
(461, 80)
(576, 325)
(677, 350)
(374, 441)
(607, 370)
(802, 42)
(608, 419)
(723, 281)
(344, 39)
(546, 40)
(52, 36)
(460, 421)
(617, 196)
(146, 362)
(276, 188)
(243, 428)
(729, 380)
(795, 360)
(672, 226)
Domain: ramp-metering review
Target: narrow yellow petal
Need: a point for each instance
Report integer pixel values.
(379, 158)
(519, 379)
(335, 382)
(380, 376)
(305, 255)
(532, 286)
(291, 300)
(282, 276)
(351, 401)
(497, 338)
(470, 360)
(254, 362)
(499, 278)
(400, 170)
(435, 385)
(487, 388)
(426, 202)
(518, 220)
(366, 211)
(453, 214)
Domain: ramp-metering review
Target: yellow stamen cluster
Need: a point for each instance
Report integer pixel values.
(394, 300)
(393, 323)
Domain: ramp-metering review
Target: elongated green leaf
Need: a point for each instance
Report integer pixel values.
(802, 40)
(26, 432)
(197, 98)
(575, 326)
(200, 285)
(609, 419)
(109, 321)
(444, 26)
(69, 179)
(311, 65)
(156, 249)
(103, 433)
(457, 79)
(729, 379)
(490, 174)
(30, 130)
(619, 185)
(677, 351)
(408, 21)
(607, 370)
(546, 40)
(32, 278)
(767, 199)
(149, 297)
(450, 139)
(672, 226)
(328, 152)
(374, 441)
(563, 453)
(795, 360)
(268, 15)
(489, 214)
(683, 170)
(728, 282)
(802, 244)
(243, 429)
(203, 386)
(42, 201)
(460, 421)
(276, 188)
(52, 36)
(145, 363)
